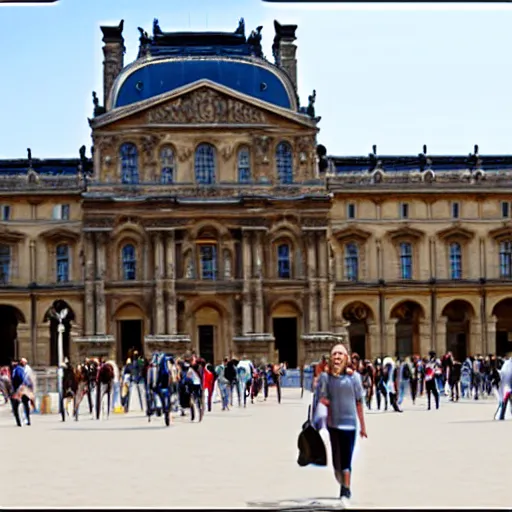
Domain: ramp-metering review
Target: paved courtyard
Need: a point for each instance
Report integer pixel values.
(453, 457)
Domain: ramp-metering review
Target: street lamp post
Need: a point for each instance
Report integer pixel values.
(60, 355)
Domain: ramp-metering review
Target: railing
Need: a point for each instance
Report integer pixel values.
(23, 183)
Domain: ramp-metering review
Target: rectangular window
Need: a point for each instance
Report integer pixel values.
(283, 262)
(6, 212)
(506, 260)
(208, 255)
(404, 210)
(505, 209)
(5, 263)
(351, 211)
(62, 256)
(61, 212)
(406, 260)
(455, 210)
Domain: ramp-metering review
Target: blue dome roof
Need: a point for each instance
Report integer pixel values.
(137, 83)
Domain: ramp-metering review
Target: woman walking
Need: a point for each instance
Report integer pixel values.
(341, 391)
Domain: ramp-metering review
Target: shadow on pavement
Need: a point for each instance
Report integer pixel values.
(317, 504)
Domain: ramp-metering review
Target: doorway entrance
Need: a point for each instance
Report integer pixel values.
(130, 332)
(10, 317)
(206, 338)
(285, 333)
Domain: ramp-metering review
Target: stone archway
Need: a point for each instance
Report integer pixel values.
(359, 315)
(503, 313)
(10, 317)
(286, 318)
(458, 314)
(408, 315)
(57, 307)
(209, 336)
(130, 320)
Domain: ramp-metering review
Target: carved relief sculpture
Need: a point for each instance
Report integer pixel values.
(227, 265)
(206, 106)
(262, 144)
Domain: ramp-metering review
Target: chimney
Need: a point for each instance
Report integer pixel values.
(113, 51)
(285, 51)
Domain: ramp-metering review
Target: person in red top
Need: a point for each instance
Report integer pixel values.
(208, 383)
(430, 380)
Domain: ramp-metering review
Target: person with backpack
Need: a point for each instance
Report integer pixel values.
(231, 374)
(18, 396)
(223, 383)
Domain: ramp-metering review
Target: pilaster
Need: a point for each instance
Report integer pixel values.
(391, 337)
(247, 323)
(171, 284)
(158, 255)
(440, 346)
(258, 304)
(312, 274)
(476, 343)
(101, 316)
(372, 342)
(491, 334)
(425, 341)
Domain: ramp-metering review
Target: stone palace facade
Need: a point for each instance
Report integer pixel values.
(210, 219)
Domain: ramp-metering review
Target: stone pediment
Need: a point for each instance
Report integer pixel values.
(351, 233)
(503, 233)
(9, 236)
(59, 233)
(405, 232)
(203, 103)
(455, 232)
(206, 106)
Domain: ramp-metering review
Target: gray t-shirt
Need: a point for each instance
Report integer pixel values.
(342, 392)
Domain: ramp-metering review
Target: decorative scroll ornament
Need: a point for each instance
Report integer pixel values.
(262, 144)
(107, 143)
(227, 151)
(206, 106)
(149, 143)
(183, 153)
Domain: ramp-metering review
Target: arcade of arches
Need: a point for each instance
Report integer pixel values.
(502, 314)
(408, 317)
(51, 316)
(360, 318)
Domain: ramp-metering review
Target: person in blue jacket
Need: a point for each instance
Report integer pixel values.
(17, 381)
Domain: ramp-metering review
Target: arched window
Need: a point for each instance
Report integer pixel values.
(284, 163)
(129, 163)
(455, 261)
(283, 261)
(205, 164)
(129, 262)
(5, 263)
(506, 259)
(62, 263)
(406, 260)
(167, 165)
(351, 262)
(244, 165)
(208, 258)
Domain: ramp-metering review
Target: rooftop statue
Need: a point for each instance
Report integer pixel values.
(254, 40)
(311, 104)
(241, 27)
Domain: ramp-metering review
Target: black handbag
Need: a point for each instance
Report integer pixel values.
(311, 445)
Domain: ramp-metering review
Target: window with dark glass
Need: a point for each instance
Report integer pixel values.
(5, 263)
(129, 164)
(406, 260)
(455, 261)
(6, 212)
(505, 209)
(351, 211)
(62, 263)
(167, 165)
(204, 164)
(129, 262)
(351, 262)
(404, 210)
(506, 259)
(455, 210)
(283, 261)
(284, 163)
(244, 165)
(208, 258)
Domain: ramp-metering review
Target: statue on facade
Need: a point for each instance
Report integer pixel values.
(241, 27)
(311, 104)
(144, 36)
(29, 157)
(156, 28)
(190, 269)
(96, 102)
(227, 265)
(254, 40)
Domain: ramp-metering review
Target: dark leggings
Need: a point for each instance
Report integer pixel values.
(15, 404)
(342, 445)
(432, 390)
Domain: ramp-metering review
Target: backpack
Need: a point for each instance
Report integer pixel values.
(406, 372)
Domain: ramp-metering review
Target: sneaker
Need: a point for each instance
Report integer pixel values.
(345, 496)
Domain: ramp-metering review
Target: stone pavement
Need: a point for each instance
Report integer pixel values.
(453, 457)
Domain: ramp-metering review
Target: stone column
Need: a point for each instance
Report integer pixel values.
(171, 276)
(247, 325)
(312, 273)
(324, 277)
(89, 320)
(491, 334)
(259, 306)
(158, 255)
(476, 345)
(391, 337)
(101, 314)
(425, 344)
(372, 342)
(33, 266)
(440, 346)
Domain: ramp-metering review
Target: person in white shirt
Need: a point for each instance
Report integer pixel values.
(505, 386)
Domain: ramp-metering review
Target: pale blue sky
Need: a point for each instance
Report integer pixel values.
(395, 78)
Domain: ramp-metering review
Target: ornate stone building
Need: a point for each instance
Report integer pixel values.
(209, 219)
